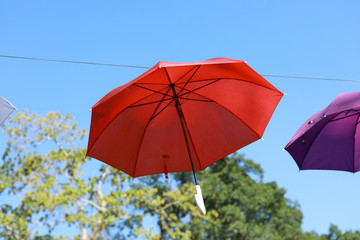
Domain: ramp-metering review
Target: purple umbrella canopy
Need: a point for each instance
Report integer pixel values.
(330, 139)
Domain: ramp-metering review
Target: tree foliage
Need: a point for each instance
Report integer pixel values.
(334, 234)
(49, 190)
(43, 166)
(47, 184)
(247, 208)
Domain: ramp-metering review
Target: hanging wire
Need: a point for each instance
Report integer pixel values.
(135, 66)
(68, 61)
(313, 78)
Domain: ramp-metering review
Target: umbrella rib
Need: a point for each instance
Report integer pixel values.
(147, 124)
(191, 91)
(186, 74)
(150, 83)
(148, 103)
(333, 120)
(154, 116)
(357, 121)
(152, 90)
(149, 89)
(188, 80)
(193, 99)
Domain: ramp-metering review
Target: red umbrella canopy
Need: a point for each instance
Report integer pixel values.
(176, 113)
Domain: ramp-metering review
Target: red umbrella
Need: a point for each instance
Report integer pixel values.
(181, 117)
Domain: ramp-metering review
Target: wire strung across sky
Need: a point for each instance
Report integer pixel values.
(134, 66)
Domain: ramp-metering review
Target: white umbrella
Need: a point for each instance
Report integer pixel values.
(6, 108)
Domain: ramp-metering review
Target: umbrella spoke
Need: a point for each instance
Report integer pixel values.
(193, 90)
(158, 84)
(152, 90)
(187, 73)
(188, 80)
(194, 99)
(152, 102)
(356, 113)
(155, 115)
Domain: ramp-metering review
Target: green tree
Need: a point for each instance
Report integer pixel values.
(333, 234)
(47, 184)
(43, 167)
(172, 208)
(247, 207)
(336, 234)
(49, 190)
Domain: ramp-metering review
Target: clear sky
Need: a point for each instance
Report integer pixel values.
(294, 38)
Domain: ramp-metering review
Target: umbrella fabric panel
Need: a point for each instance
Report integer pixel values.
(163, 147)
(119, 141)
(215, 131)
(110, 107)
(301, 142)
(333, 147)
(233, 95)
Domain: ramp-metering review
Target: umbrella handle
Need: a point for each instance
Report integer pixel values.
(199, 200)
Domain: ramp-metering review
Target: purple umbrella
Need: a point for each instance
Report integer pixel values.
(330, 139)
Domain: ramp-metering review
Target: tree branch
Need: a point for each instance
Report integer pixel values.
(99, 208)
(11, 230)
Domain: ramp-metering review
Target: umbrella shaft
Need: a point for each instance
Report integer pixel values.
(182, 121)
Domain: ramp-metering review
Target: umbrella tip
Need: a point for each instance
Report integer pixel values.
(262, 139)
(285, 94)
(199, 200)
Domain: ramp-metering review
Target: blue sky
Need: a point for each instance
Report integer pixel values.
(294, 38)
